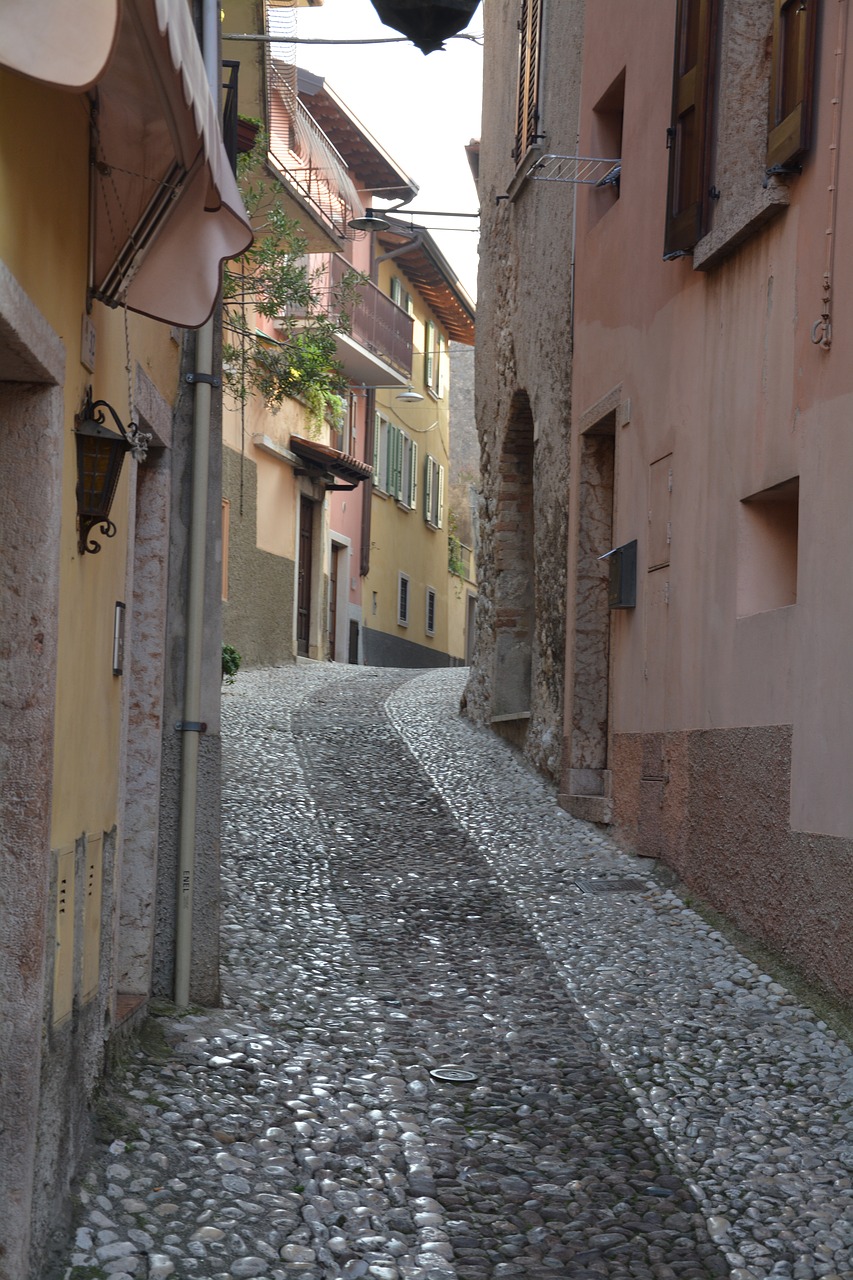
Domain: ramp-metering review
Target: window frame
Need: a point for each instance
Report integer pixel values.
(433, 492)
(527, 112)
(403, 597)
(694, 86)
(431, 598)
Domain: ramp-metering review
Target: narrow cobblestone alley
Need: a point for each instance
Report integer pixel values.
(403, 894)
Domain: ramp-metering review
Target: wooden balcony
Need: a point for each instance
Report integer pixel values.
(377, 352)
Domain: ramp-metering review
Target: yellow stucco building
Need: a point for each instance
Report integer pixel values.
(416, 610)
(119, 206)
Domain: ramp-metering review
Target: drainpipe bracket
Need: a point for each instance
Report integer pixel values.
(209, 378)
(191, 726)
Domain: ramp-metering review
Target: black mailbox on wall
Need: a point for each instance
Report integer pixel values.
(622, 585)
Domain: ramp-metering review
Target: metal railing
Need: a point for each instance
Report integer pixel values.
(378, 324)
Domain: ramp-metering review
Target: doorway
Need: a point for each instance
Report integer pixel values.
(305, 560)
(588, 762)
(334, 573)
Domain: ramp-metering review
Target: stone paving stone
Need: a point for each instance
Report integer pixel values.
(403, 893)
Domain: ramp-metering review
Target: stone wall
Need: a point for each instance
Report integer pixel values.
(257, 618)
(714, 806)
(32, 368)
(382, 650)
(523, 374)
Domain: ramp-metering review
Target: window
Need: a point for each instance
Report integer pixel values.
(403, 599)
(688, 136)
(395, 461)
(345, 433)
(434, 348)
(429, 352)
(607, 120)
(791, 80)
(767, 537)
(401, 296)
(430, 611)
(527, 110)
(410, 473)
(433, 492)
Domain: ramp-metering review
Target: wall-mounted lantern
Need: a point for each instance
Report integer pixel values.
(100, 453)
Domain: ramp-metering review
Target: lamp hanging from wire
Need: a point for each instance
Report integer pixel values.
(427, 23)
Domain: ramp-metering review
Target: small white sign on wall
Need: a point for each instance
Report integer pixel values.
(87, 343)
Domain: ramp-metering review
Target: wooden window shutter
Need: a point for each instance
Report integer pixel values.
(791, 79)
(377, 441)
(527, 121)
(398, 475)
(440, 504)
(429, 352)
(428, 488)
(413, 476)
(383, 455)
(690, 129)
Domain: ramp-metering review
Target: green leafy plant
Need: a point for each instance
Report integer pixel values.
(455, 559)
(230, 663)
(274, 281)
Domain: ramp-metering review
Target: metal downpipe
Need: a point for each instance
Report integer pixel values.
(195, 595)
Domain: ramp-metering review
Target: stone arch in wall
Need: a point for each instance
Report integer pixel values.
(515, 577)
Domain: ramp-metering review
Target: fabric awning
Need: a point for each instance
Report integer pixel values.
(331, 461)
(63, 42)
(167, 211)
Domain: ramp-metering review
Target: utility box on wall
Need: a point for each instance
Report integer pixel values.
(622, 584)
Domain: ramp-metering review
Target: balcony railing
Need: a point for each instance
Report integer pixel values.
(378, 324)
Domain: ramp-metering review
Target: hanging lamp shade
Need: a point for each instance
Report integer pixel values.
(100, 454)
(425, 23)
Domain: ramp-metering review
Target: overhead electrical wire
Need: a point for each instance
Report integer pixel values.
(475, 39)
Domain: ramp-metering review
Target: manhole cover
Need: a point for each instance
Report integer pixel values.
(455, 1075)
(613, 884)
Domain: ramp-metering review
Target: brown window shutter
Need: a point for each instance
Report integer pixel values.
(689, 134)
(791, 79)
(530, 26)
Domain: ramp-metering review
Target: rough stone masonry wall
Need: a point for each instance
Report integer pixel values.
(714, 805)
(524, 358)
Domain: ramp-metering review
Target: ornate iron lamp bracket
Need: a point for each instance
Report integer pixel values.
(100, 453)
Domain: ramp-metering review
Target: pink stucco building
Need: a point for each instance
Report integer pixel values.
(705, 708)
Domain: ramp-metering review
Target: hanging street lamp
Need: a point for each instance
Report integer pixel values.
(425, 23)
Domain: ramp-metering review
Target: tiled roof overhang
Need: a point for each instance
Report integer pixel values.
(331, 461)
(433, 277)
(373, 168)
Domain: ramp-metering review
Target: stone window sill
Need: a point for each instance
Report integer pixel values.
(738, 223)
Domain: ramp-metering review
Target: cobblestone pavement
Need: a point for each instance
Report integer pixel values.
(404, 894)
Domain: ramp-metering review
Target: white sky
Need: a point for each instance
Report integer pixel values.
(422, 110)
